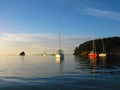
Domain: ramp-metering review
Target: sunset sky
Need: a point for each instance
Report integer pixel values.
(32, 25)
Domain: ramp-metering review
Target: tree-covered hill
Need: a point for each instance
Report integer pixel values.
(112, 46)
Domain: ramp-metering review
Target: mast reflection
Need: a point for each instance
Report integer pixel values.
(98, 65)
(93, 65)
(59, 61)
(102, 61)
(93, 61)
(60, 67)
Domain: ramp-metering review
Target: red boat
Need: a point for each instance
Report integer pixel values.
(92, 54)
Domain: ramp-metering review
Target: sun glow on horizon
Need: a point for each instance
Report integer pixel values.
(13, 44)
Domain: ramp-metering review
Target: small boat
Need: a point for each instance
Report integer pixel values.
(103, 54)
(22, 53)
(44, 54)
(60, 54)
(93, 52)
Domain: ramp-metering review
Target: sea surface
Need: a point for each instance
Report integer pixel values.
(36, 72)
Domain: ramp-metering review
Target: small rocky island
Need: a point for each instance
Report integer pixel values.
(22, 53)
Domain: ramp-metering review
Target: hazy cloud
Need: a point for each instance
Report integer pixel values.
(86, 6)
(102, 13)
(38, 42)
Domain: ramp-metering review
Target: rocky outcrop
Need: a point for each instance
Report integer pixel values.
(22, 53)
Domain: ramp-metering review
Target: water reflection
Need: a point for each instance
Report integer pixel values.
(97, 63)
(81, 62)
(44, 57)
(93, 66)
(73, 73)
(102, 62)
(93, 61)
(60, 68)
(59, 61)
(22, 57)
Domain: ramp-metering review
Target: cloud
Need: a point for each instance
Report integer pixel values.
(102, 13)
(36, 43)
(26, 37)
(84, 6)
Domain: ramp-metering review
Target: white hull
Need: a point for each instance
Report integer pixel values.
(44, 54)
(102, 54)
(59, 56)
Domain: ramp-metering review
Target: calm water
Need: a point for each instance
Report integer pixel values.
(73, 73)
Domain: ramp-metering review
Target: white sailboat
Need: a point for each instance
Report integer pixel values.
(59, 54)
(44, 54)
(103, 54)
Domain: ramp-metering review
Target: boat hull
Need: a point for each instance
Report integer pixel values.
(92, 55)
(60, 56)
(102, 55)
(44, 54)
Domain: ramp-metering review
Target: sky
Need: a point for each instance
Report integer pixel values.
(33, 25)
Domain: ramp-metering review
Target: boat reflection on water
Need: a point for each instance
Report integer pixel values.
(93, 62)
(60, 68)
(59, 61)
(97, 62)
(98, 65)
(44, 57)
(102, 58)
(102, 61)
(22, 57)
(93, 66)
(60, 64)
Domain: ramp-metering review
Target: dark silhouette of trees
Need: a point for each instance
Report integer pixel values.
(110, 44)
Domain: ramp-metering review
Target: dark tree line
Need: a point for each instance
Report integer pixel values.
(111, 43)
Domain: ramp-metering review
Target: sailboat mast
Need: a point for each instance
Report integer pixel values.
(103, 46)
(59, 33)
(94, 49)
(93, 42)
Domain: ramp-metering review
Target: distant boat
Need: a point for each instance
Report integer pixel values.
(44, 54)
(93, 52)
(103, 54)
(60, 54)
(22, 53)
